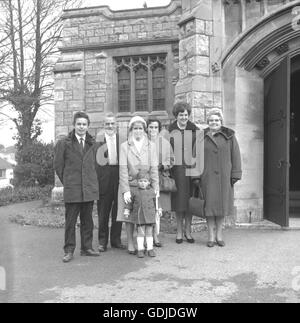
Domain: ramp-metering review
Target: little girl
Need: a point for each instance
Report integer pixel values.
(142, 211)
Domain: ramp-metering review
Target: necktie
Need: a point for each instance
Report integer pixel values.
(81, 145)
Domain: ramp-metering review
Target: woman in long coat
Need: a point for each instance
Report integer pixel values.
(222, 169)
(182, 139)
(136, 154)
(166, 161)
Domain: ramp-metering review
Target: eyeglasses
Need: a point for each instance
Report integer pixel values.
(214, 120)
(110, 123)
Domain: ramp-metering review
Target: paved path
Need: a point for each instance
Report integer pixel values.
(255, 266)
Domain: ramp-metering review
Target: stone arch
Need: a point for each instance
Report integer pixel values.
(264, 45)
(245, 65)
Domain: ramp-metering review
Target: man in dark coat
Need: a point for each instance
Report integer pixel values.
(74, 163)
(108, 178)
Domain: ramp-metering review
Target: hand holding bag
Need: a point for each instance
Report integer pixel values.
(196, 202)
(166, 183)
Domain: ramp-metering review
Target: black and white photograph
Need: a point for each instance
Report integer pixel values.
(149, 154)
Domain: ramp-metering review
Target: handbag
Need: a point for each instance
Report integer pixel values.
(196, 203)
(166, 183)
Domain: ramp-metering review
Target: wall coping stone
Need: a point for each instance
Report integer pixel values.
(122, 14)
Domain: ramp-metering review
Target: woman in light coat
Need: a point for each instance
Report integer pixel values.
(222, 169)
(136, 154)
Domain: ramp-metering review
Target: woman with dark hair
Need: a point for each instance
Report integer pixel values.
(136, 154)
(165, 158)
(183, 136)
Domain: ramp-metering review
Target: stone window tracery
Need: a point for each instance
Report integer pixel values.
(141, 83)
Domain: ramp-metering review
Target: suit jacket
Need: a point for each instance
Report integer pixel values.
(103, 168)
(76, 170)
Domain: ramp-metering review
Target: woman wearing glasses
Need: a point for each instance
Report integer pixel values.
(222, 169)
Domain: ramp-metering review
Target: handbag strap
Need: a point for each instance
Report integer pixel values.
(200, 192)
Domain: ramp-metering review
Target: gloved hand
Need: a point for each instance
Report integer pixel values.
(160, 212)
(127, 197)
(233, 181)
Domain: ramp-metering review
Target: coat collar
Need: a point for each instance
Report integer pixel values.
(190, 126)
(134, 149)
(88, 139)
(226, 132)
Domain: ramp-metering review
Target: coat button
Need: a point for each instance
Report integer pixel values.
(216, 172)
(215, 151)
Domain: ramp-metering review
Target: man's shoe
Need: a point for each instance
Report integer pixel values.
(118, 246)
(157, 244)
(89, 253)
(67, 257)
(102, 248)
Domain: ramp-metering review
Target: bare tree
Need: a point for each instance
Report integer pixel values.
(30, 31)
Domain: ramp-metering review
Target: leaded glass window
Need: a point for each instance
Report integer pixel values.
(124, 90)
(141, 83)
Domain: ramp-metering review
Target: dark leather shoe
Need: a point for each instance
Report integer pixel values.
(132, 252)
(89, 253)
(102, 248)
(220, 243)
(118, 246)
(68, 257)
(179, 241)
(189, 240)
(157, 244)
(210, 244)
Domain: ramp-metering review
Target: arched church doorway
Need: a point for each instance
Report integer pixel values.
(282, 143)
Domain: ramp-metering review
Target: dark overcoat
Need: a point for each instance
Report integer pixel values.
(76, 170)
(222, 161)
(181, 198)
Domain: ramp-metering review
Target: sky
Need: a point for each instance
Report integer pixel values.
(7, 131)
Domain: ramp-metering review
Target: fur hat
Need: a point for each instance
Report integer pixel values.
(137, 119)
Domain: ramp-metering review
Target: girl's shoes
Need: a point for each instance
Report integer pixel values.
(179, 241)
(151, 253)
(141, 254)
(132, 252)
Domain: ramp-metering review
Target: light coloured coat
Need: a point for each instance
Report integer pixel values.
(131, 162)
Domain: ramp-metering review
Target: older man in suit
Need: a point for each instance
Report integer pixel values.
(108, 178)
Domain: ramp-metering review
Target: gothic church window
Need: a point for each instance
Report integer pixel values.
(141, 83)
